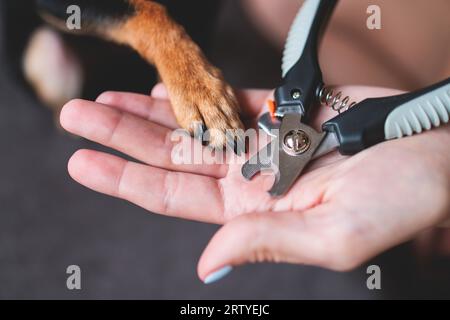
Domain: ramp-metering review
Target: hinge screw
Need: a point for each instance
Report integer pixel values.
(296, 142)
(296, 94)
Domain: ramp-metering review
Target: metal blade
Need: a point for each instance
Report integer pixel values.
(329, 143)
(269, 124)
(260, 161)
(291, 165)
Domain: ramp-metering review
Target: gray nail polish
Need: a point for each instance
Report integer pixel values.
(217, 275)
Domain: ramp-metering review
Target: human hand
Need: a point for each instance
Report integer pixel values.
(341, 211)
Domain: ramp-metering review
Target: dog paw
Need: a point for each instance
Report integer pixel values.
(207, 107)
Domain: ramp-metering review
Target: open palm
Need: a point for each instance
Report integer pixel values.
(341, 211)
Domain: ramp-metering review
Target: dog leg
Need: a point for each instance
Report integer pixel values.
(200, 97)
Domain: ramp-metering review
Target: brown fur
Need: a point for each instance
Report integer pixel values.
(197, 89)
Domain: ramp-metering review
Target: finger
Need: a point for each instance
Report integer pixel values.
(272, 237)
(159, 91)
(149, 108)
(134, 136)
(157, 108)
(356, 94)
(252, 101)
(169, 193)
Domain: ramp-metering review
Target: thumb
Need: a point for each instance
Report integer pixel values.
(258, 237)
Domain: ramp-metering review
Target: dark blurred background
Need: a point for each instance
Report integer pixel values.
(48, 222)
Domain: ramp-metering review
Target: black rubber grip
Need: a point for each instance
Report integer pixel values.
(364, 124)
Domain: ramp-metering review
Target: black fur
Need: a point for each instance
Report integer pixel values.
(92, 11)
(194, 15)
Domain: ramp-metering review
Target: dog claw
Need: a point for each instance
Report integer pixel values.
(236, 143)
(200, 132)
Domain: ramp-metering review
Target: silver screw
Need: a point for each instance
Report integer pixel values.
(296, 142)
(296, 94)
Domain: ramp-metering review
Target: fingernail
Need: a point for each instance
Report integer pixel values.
(159, 91)
(217, 275)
